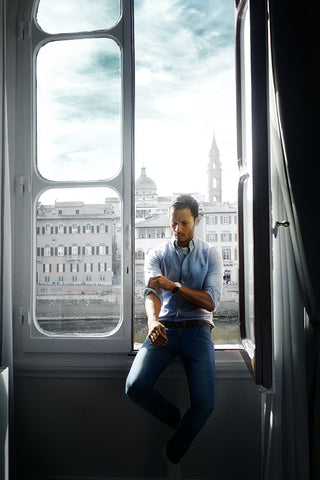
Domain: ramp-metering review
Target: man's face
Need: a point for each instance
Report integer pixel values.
(183, 225)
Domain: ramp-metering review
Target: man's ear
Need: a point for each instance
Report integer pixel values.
(197, 220)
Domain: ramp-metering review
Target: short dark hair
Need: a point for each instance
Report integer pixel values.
(186, 201)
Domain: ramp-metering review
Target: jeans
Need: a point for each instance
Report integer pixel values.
(195, 347)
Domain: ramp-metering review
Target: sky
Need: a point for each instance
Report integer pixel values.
(185, 93)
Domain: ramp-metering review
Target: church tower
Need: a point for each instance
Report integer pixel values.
(214, 173)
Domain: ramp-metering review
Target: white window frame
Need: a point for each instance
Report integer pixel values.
(88, 228)
(31, 342)
(60, 228)
(74, 228)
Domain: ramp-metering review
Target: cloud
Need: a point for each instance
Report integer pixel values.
(79, 109)
(59, 16)
(185, 90)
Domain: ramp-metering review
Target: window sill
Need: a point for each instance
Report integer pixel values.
(229, 365)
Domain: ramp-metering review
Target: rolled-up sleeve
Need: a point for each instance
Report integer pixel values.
(151, 269)
(213, 279)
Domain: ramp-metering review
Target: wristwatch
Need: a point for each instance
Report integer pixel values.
(177, 287)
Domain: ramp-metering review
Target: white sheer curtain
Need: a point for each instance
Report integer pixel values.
(285, 423)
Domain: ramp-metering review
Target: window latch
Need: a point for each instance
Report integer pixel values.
(275, 229)
(22, 185)
(24, 317)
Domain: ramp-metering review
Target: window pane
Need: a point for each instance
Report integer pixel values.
(78, 109)
(178, 109)
(248, 260)
(248, 257)
(56, 16)
(77, 302)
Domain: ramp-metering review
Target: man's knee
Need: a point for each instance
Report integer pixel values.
(134, 390)
(205, 406)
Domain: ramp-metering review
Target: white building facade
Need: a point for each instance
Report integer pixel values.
(74, 244)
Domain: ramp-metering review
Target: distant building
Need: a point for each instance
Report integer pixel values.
(214, 171)
(219, 224)
(80, 244)
(221, 230)
(74, 243)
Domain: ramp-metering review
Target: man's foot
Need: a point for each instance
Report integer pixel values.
(173, 469)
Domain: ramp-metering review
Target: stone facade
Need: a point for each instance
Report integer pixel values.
(74, 244)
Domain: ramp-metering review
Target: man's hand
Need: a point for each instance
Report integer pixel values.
(161, 282)
(157, 333)
(199, 298)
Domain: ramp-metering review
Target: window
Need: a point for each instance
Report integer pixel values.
(102, 228)
(140, 255)
(254, 212)
(78, 155)
(61, 229)
(89, 250)
(48, 229)
(226, 253)
(102, 250)
(195, 116)
(74, 267)
(225, 220)
(74, 228)
(226, 237)
(74, 250)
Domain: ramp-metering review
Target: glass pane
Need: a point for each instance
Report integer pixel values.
(247, 192)
(246, 93)
(78, 109)
(78, 261)
(248, 261)
(57, 16)
(189, 115)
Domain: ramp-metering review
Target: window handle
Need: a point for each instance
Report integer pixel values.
(284, 223)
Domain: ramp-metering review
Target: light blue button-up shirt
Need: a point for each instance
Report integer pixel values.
(201, 269)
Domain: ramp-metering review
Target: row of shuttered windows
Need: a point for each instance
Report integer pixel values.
(74, 250)
(61, 267)
(62, 229)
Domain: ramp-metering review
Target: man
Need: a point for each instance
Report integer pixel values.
(184, 282)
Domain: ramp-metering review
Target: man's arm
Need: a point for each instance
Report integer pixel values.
(199, 298)
(156, 330)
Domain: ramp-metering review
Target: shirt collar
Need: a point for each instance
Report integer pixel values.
(191, 244)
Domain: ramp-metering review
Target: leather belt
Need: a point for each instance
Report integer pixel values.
(188, 323)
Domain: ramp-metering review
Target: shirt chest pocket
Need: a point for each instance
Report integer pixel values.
(193, 275)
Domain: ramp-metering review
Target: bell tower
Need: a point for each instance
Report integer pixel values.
(214, 171)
